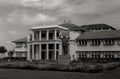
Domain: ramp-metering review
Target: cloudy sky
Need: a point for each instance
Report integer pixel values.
(17, 16)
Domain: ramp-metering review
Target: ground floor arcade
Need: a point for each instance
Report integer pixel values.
(44, 51)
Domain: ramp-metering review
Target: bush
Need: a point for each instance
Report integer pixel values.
(72, 67)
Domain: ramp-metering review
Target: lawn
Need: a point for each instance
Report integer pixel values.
(36, 74)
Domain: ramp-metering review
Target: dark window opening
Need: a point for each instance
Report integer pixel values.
(43, 46)
(36, 35)
(51, 34)
(51, 46)
(43, 34)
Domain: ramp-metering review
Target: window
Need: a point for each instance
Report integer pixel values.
(36, 35)
(58, 33)
(43, 46)
(108, 42)
(51, 46)
(57, 46)
(30, 51)
(95, 42)
(51, 34)
(25, 46)
(43, 35)
(82, 42)
(118, 42)
(30, 37)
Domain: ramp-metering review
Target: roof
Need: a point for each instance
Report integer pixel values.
(49, 26)
(107, 34)
(21, 40)
(71, 26)
(96, 26)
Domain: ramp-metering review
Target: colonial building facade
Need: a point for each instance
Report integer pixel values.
(67, 40)
(99, 44)
(20, 48)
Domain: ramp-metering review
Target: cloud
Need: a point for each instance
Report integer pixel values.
(13, 32)
(28, 19)
(48, 4)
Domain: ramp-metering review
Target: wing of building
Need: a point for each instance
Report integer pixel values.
(20, 48)
(86, 41)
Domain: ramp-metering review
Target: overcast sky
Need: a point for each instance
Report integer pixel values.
(17, 16)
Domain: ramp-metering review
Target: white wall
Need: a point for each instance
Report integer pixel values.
(74, 34)
(101, 47)
(73, 48)
(2, 55)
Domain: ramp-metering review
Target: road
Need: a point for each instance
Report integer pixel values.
(36, 74)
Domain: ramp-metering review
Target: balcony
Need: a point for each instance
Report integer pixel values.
(46, 35)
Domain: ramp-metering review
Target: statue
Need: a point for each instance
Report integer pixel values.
(65, 43)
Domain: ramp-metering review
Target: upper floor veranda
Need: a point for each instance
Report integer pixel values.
(51, 33)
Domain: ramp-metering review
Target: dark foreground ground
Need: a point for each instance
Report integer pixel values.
(35, 74)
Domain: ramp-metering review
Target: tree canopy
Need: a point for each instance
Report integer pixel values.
(3, 49)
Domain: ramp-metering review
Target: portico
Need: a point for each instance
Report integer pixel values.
(45, 51)
(45, 43)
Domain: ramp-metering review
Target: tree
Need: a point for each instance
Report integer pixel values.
(3, 49)
(10, 53)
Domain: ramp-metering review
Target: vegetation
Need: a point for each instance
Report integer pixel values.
(10, 53)
(3, 49)
(72, 67)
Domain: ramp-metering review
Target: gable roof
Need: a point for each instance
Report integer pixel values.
(96, 26)
(21, 40)
(108, 34)
(71, 26)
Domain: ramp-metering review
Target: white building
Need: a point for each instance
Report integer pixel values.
(3, 55)
(87, 41)
(20, 48)
(44, 43)
(99, 44)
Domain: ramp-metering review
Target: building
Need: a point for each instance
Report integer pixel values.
(45, 44)
(3, 55)
(99, 44)
(3, 52)
(69, 41)
(20, 48)
(87, 41)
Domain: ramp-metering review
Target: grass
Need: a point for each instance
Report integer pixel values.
(74, 66)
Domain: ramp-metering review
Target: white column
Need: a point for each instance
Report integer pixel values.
(33, 52)
(102, 55)
(37, 51)
(28, 52)
(32, 36)
(28, 38)
(55, 34)
(47, 53)
(40, 51)
(47, 34)
(40, 35)
(60, 49)
(88, 55)
(55, 52)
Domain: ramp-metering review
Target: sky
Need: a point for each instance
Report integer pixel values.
(18, 16)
